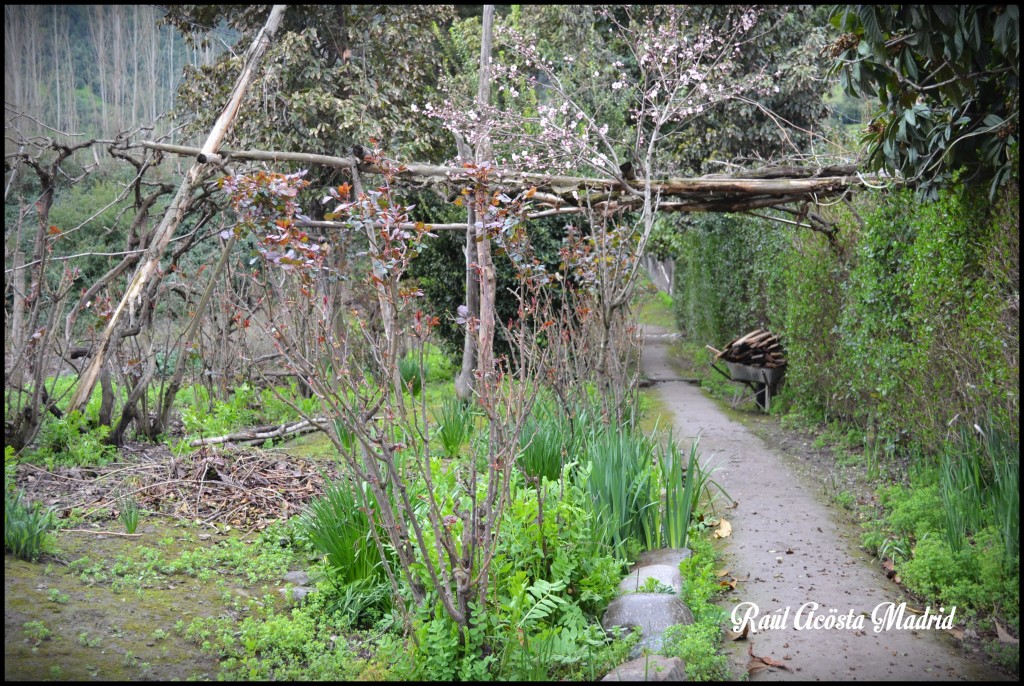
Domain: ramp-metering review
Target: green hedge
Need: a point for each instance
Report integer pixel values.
(906, 325)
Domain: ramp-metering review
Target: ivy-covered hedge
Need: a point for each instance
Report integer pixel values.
(909, 322)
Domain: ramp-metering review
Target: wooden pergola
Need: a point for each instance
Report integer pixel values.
(779, 188)
(772, 187)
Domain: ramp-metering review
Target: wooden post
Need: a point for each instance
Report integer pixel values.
(485, 340)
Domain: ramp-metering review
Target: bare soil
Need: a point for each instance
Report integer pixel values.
(793, 546)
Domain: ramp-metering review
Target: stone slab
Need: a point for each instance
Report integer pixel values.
(298, 578)
(651, 612)
(649, 668)
(665, 556)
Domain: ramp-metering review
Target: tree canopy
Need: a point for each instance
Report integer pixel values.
(947, 82)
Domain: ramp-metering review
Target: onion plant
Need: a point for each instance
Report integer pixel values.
(542, 441)
(412, 374)
(683, 488)
(979, 487)
(455, 424)
(129, 514)
(25, 527)
(621, 472)
(337, 526)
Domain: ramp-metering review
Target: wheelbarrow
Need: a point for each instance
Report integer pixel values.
(763, 382)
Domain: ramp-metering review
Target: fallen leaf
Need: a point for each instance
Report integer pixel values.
(724, 529)
(889, 568)
(956, 632)
(755, 666)
(728, 584)
(739, 635)
(758, 662)
(1004, 636)
(722, 572)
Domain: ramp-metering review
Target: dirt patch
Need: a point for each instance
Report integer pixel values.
(94, 632)
(104, 606)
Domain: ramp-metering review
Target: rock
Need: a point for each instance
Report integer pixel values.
(298, 578)
(665, 556)
(666, 574)
(651, 612)
(649, 668)
(298, 593)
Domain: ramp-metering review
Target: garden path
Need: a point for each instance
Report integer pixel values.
(796, 549)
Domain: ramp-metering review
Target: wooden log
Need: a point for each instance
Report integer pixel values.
(260, 434)
(753, 333)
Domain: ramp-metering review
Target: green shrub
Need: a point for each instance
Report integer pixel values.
(337, 526)
(238, 412)
(621, 481)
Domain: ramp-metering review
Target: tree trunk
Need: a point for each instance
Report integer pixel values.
(167, 400)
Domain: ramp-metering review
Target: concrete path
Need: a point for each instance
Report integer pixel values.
(798, 550)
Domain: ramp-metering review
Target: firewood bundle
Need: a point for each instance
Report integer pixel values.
(759, 348)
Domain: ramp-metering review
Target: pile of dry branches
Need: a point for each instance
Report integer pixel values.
(245, 488)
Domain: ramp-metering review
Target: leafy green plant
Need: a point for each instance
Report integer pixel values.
(652, 585)
(25, 527)
(455, 425)
(69, 441)
(129, 514)
(698, 644)
(56, 596)
(36, 631)
(211, 418)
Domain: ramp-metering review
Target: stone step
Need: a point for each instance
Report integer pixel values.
(649, 668)
(666, 574)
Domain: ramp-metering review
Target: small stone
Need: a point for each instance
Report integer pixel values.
(298, 593)
(298, 578)
(649, 668)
